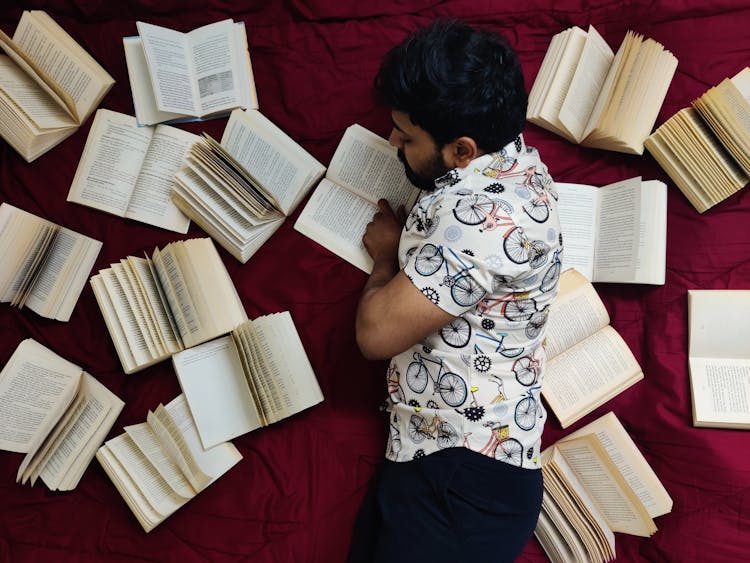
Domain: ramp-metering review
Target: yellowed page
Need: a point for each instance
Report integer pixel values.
(606, 487)
(577, 209)
(36, 386)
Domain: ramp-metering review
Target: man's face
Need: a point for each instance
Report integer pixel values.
(422, 159)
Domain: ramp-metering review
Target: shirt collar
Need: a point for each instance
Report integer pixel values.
(490, 161)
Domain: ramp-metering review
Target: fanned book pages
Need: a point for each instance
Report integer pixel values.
(179, 297)
(594, 97)
(159, 465)
(588, 362)
(719, 357)
(44, 265)
(49, 85)
(616, 233)
(364, 169)
(55, 413)
(241, 190)
(256, 376)
(129, 170)
(596, 483)
(177, 76)
(705, 148)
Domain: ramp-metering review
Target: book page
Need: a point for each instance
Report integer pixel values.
(578, 210)
(60, 57)
(60, 282)
(606, 487)
(629, 461)
(336, 219)
(144, 99)
(35, 103)
(214, 384)
(590, 73)
(150, 446)
(576, 314)
(651, 257)
(97, 402)
(618, 232)
(368, 165)
(151, 200)
(215, 67)
(286, 370)
(719, 359)
(147, 478)
(556, 533)
(111, 160)
(36, 386)
(170, 68)
(278, 163)
(588, 375)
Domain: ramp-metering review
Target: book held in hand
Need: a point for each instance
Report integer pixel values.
(594, 97)
(588, 362)
(44, 265)
(241, 190)
(55, 413)
(176, 76)
(705, 148)
(616, 233)
(256, 376)
(719, 357)
(159, 465)
(596, 483)
(363, 170)
(49, 85)
(179, 297)
(129, 170)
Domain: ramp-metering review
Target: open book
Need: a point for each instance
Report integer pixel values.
(364, 169)
(705, 148)
(129, 170)
(48, 85)
(616, 233)
(55, 413)
(256, 376)
(588, 362)
(202, 74)
(591, 96)
(159, 465)
(719, 357)
(240, 191)
(44, 265)
(154, 307)
(596, 482)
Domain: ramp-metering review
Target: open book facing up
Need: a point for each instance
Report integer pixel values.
(719, 357)
(241, 190)
(705, 148)
(364, 169)
(616, 233)
(129, 170)
(44, 265)
(256, 376)
(588, 362)
(49, 85)
(159, 465)
(596, 482)
(594, 97)
(55, 413)
(179, 297)
(177, 76)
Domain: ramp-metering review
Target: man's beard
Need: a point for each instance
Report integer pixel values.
(426, 180)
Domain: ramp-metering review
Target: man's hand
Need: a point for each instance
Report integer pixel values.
(382, 235)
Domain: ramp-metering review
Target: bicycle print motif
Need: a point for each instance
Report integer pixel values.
(448, 385)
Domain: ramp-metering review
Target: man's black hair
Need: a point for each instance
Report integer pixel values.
(455, 80)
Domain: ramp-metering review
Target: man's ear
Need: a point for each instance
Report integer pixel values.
(460, 152)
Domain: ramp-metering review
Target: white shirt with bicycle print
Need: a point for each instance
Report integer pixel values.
(486, 247)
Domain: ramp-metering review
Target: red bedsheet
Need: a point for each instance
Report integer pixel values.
(294, 496)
